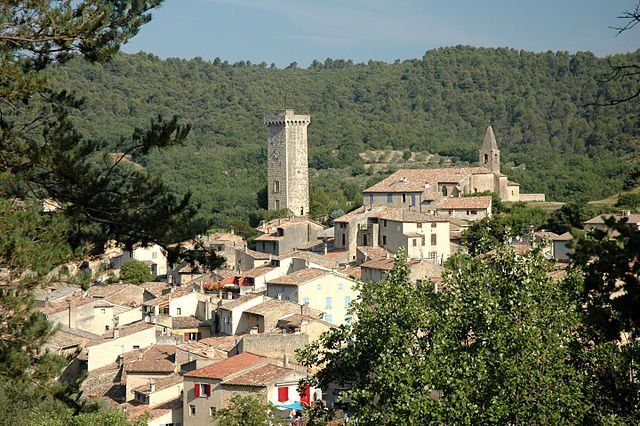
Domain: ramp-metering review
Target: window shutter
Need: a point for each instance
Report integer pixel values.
(283, 394)
(196, 389)
(208, 389)
(186, 337)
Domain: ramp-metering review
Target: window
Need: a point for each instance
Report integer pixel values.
(347, 319)
(319, 287)
(365, 240)
(389, 198)
(328, 303)
(283, 394)
(404, 198)
(419, 225)
(192, 410)
(277, 204)
(106, 327)
(434, 224)
(384, 222)
(413, 199)
(154, 255)
(474, 212)
(276, 186)
(179, 311)
(384, 240)
(212, 411)
(328, 318)
(202, 390)
(415, 242)
(344, 240)
(340, 286)
(192, 337)
(136, 347)
(444, 191)
(305, 300)
(434, 239)
(103, 310)
(486, 158)
(370, 198)
(282, 289)
(347, 301)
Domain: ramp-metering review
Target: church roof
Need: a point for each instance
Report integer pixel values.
(489, 141)
(421, 180)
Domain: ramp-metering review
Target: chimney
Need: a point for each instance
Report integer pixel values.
(285, 360)
(152, 387)
(233, 232)
(326, 249)
(116, 333)
(73, 314)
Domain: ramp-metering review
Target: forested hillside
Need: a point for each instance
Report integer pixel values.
(541, 106)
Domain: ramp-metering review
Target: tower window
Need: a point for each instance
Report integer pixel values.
(486, 158)
(277, 204)
(276, 186)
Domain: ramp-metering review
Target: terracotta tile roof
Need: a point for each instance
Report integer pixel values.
(410, 216)
(261, 376)
(163, 383)
(155, 359)
(546, 234)
(511, 183)
(239, 301)
(360, 213)
(299, 277)
(564, 237)
(224, 236)
(632, 218)
(155, 288)
(319, 259)
(124, 330)
(223, 343)
(482, 202)
(380, 264)
(351, 271)
(297, 319)
(223, 369)
(257, 272)
(285, 222)
(279, 308)
(169, 296)
(105, 383)
(137, 409)
(419, 180)
(255, 254)
(374, 252)
(67, 338)
(178, 323)
(269, 237)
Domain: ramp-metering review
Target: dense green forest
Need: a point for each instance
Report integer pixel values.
(543, 107)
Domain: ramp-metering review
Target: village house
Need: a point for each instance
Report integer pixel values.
(111, 345)
(230, 318)
(469, 208)
(323, 290)
(176, 303)
(209, 389)
(151, 364)
(154, 256)
(264, 317)
(247, 259)
(280, 236)
(598, 222)
(379, 269)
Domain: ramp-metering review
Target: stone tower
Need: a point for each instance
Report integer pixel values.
(489, 153)
(288, 172)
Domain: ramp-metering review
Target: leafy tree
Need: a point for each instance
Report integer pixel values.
(135, 272)
(571, 215)
(244, 411)
(491, 349)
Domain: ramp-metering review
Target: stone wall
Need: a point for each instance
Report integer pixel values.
(273, 345)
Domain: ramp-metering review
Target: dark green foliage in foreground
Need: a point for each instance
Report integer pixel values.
(541, 106)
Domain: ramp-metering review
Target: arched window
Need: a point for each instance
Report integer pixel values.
(486, 158)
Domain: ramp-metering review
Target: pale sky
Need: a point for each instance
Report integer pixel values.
(283, 31)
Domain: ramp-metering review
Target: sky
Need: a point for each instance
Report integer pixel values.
(286, 31)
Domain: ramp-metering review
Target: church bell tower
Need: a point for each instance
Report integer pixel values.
(288, 168)
(489, 153)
